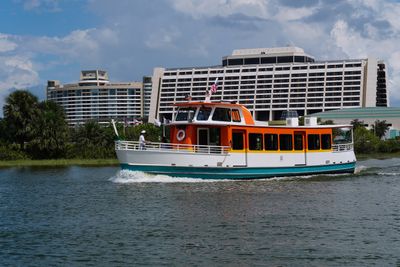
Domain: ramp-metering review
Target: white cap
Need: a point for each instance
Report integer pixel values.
(143, 132)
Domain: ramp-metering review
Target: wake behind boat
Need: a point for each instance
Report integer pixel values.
(221, 140)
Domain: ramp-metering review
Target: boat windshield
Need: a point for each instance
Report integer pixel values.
(204, 114)
(342, 135)
(185, 114)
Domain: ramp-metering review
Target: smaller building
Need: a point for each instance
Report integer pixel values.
(368, 115)
(94, 97)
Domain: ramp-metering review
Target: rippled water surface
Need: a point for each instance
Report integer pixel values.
(104, 217)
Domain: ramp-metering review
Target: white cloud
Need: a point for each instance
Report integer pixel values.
(357, 46)
(163, 38)
(224, 8)
(5, 44)
(349, 40)
(264, 9)
(17, 72)
(48, 5)
(288, 14)
(21, 57)
(79, 45)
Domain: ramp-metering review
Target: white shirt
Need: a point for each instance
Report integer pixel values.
(142, 141)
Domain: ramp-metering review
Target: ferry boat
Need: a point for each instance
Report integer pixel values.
(218, 140)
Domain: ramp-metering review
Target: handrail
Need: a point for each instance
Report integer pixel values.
(186, 148)
(169, 147)
(342, 147)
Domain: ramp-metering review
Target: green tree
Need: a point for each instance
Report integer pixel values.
(20, 109)
(365, 141)
(380, 128)
(91, 140)
(50, 132)
(4, 132)
(357, 124)
(153, 133)
(389, 146)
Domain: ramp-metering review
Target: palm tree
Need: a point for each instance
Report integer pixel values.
(93, 141)
(50, 133)
(19, 111)
(380, 128)
(357, 123)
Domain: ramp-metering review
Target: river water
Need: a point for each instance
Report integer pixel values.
(101, 216)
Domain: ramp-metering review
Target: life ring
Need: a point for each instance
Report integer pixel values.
(180, 135)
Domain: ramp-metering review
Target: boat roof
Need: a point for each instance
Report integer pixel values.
(248, 118)
(200, 103)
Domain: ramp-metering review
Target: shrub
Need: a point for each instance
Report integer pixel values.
(8, 153)
(389, 146)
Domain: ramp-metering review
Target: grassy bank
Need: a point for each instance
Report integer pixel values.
(59, 162)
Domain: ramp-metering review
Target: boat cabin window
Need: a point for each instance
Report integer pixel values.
(215, 136)
(285, 142)
(298, 142)
(313, 142)
(255, 141)
(236, 115)
(325, 141)
(204, 113)
(222, 114)
(342, 135)
(237, 141)
(271, 141)
(226, 114)
(185, 114)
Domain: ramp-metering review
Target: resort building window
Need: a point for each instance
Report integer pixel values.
(326, 141)
(271, 141)
(285, 142)
(237, 141)
(313, 142)
(255, 141)
(222, 114)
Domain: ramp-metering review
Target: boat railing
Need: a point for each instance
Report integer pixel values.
(168, 147)
(342, 147)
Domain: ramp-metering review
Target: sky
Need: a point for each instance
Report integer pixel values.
(44, 40)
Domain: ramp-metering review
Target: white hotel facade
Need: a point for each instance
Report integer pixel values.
(269, 81)
(94, 97)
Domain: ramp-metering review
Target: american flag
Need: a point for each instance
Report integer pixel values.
(214, 86)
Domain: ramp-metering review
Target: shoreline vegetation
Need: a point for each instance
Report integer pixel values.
(58, 163)
(114, 161)
(36, 133)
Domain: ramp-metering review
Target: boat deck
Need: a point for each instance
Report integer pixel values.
(168, 147)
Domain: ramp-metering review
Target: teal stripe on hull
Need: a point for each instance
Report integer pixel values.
(240, 172)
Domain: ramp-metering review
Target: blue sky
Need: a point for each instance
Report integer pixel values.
(42, 40)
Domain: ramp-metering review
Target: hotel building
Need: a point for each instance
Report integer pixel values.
(94, 97)
(269, 81)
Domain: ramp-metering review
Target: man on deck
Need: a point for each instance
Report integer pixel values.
(142, 140)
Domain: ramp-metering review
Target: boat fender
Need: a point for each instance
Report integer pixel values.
(180, 135)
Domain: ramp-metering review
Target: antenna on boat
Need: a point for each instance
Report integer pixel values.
(115, 127)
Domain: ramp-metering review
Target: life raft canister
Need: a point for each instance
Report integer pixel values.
(180, 135)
